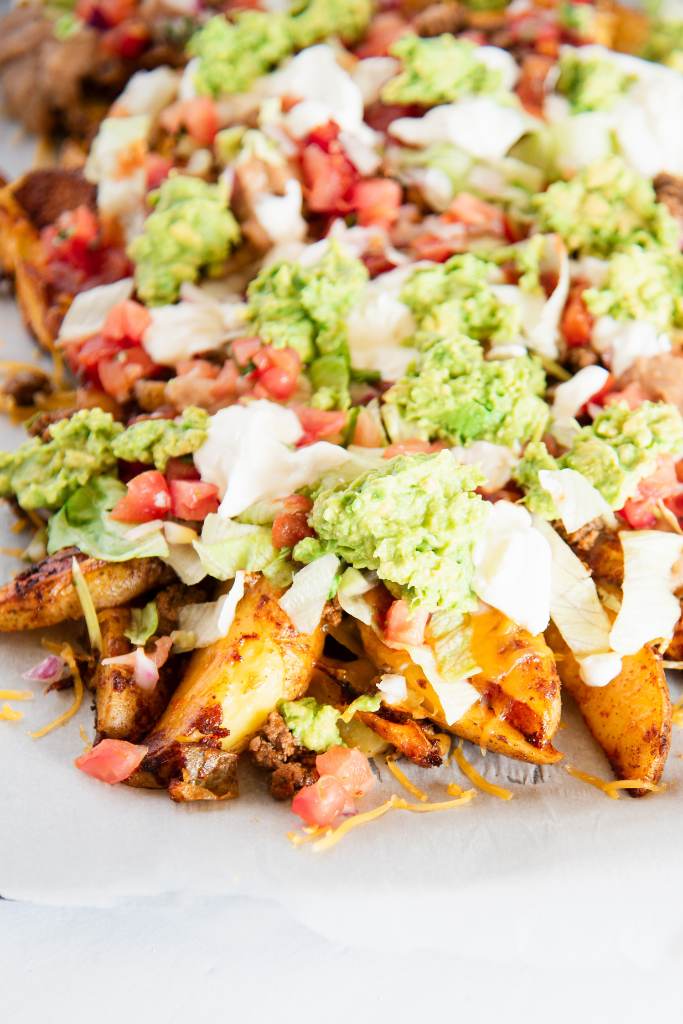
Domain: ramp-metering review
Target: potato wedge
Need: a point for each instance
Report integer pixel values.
(44, 594)
(230, 687)
(630, 717)
(489, 722)
(406, 734)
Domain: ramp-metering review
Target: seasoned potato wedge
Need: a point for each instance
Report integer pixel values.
(230, 688)
(516, 678)
(630, 717)
(407, 735)
(44, 594)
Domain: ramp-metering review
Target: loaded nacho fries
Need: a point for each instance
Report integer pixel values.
(365, 429)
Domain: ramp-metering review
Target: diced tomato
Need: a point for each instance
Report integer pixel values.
(157, 168)
(367, 432)
(72, 238)
(577, 321)
(198, 368)
(198, 116)
(127, 321)
(319, 423)
(289, 528)
(181, 469)
(148, 498)
(244, 349)
(321, 803)
(127, 40)
(377, 201)
(328, 178)
(600, 397)
(403, 626)
(323, 135)
(384, 30)
(531, 86)
(193, 499)
(111, 761)
(661, 486)
(633, 395)
(432, 247)
(277, 371)
(350, 767)
(104, 13)
(119, 373)
(475, 213)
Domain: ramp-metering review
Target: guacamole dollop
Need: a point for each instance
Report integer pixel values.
(414, 522)
(233, 54)
(451, 393)
(605, 208)
(313, 20)
(313, 725)
(191, 230)
(594, 84)
(456, 297)
(43, 474)
(440, 69)
(641, 284)
(157, 441)
(618, 450)
(305, 308)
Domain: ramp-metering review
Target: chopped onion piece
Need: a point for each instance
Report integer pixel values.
(393, 688)
(212, 620)
(49, 670)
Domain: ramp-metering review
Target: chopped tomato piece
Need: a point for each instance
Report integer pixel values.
(321, 803)
(277, 371)
(119, 373)
(127, 321)
(111, 761)
(633, 395)
(531, 86)
(193, 499)
(577, 321)
(128, 40)
(367, 432)
(289, 528)
(404, 626)
(72, 238)
(350, 767)
(148, 498)
(377, 201)
(104, 13)
(432, 247)
(475, 213)
(198, 116)
(661, 486)
(328, 178)
(319, 423)
(413, 446)
(157, 168)
(384, 30)
(244, 349)
(181, 469)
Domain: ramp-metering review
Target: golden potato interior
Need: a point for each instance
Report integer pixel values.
(630, 717)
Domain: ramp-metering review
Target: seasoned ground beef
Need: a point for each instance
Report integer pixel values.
(275, 750)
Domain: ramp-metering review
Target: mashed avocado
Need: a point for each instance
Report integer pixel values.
(319, 19)
(305, 308)
(453, 394)
(614, 453)
(438, 70)
(158, 441)
(191, 230)
(414, 522)
(43, 474)
(606, 208)
(591, 84)
(456, 298)
(232, 55)
(312, 725)
(641, 284)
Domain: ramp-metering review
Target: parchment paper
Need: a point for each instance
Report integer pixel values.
(558, 874)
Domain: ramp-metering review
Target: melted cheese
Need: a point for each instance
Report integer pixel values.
(478, 780)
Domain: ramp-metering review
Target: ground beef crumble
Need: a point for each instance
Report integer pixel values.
(275, 750)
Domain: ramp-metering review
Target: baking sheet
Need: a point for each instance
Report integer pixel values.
(559, 872)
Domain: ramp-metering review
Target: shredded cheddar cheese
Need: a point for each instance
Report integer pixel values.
(453, 789)
(404, 781)
(12, 552)
(611, 789)
(87, 745)
(307, 835)
(634, 784)
(68, 655)
(8, 714)
(393, 803)
(470, 772)
(16, 695)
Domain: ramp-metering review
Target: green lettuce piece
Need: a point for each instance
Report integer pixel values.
(591, 84)
(366, 702)
(227, 547)
(440, 69)
(318, 19)
(313, 726)
(305, 308)
(641, 284)
(233, 54)
(83, 522)
(414, 521)
(665, 42)
(456, 297)
(43, 474)
(606, 208)
(157, 441)
(451, 393)
(144, 623)
(190, 231)
(618, 450)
